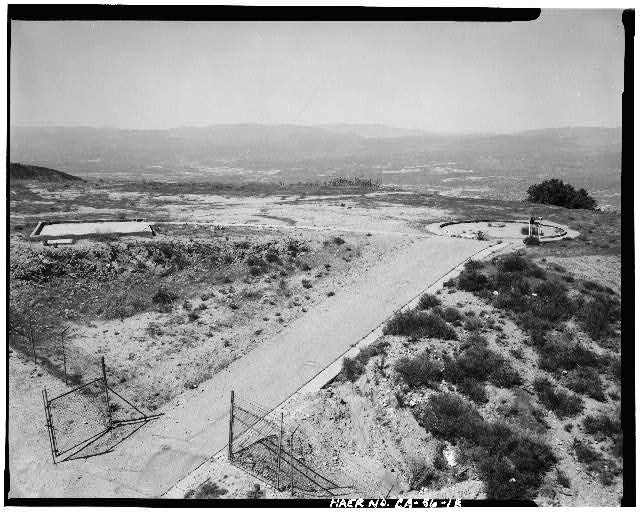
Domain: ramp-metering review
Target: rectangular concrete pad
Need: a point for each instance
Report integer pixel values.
(65, 229)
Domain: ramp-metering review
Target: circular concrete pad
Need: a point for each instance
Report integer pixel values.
(501, 230)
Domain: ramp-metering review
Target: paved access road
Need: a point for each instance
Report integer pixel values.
(164, 451)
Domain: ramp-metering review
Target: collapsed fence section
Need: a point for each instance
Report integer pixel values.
(90, 419)
(271, 451)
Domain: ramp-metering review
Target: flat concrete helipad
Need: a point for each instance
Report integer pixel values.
(500, 230)
(81, 229)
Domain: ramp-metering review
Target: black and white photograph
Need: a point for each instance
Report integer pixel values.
(319, 257)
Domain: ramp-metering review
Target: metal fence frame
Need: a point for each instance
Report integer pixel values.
(249, 428)
(56, 453)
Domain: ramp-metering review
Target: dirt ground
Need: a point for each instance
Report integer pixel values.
(156, 357)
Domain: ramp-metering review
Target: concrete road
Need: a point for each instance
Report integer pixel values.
(164, 451)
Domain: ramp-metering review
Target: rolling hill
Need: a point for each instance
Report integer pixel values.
(22, 172)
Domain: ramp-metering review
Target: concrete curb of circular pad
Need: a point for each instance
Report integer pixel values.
(438, 228)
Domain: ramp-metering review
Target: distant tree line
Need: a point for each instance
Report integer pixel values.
(557, 193)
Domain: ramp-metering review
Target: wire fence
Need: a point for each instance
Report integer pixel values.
(50, 348)
(90, 419)
(274, 452)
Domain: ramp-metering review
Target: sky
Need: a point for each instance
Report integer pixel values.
(564, 69)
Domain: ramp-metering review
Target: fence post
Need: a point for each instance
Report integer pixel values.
(64, 359)
(33, 341)
(279, 452)
(291, 462)
(231, 428)
(106, 389)
(47, 415)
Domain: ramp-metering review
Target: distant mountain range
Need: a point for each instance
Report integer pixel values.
(302, 152)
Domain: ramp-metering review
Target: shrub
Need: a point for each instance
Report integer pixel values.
(193, 316)
(164, 296)
(272, 256)
(449, 314)
(419, 324)
(482, 364)
(257, 265)
(594, 461)
(124, 305)
(304, 266)
(306, 283)
(586, 381)
(474, 389)
(421, 474)
(451, 418)
(428, 300)
(512, 263)
(208, 490)
(419, 370)
(558, 193)
(352, 368)
(338, 240)
(472, 324)
(563, 403)
(592, 286)
(597, 315)
(472, 340)
(563, 479)
(560, 353)
(584, 452)
(602, 424)
(510, 464)
(531, 323)
(439, 461)
(473, 265)
(472, 281)
(552, 302)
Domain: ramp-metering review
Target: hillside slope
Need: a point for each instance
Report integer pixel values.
(33, 172)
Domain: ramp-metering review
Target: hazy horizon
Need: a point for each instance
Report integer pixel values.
(563, 70)
(320, 125)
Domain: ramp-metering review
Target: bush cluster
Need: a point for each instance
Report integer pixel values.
(563, 403)
(602, 424)
(598, 313)
(419, 370)
(585, 381)
(594, 461)
(164, 296)
(511, 464)
(558, 193)
(428, 301)
(352, 368)
(419, 324)
(481, 364)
